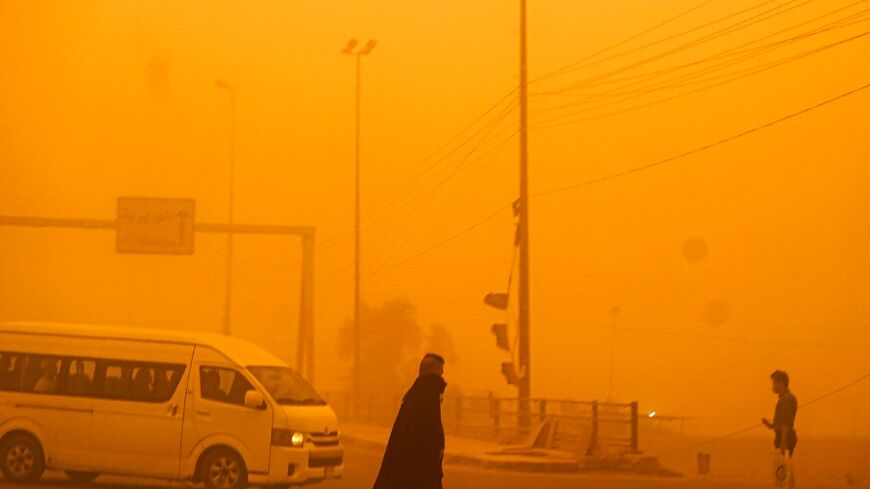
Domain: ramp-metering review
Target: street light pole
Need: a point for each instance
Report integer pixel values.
(349, 49)
(525, 384)
(231, 90)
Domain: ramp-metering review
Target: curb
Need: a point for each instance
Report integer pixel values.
(513, 463)
(477, 462)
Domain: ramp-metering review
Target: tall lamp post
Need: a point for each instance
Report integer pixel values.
(350, 50)
(231, 90)
(524, 356)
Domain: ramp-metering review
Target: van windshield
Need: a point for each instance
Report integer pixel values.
(286, 386)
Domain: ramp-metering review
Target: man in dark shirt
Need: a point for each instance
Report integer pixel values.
(785, 437)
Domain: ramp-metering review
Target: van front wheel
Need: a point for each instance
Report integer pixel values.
(223, 469)
(22, 459)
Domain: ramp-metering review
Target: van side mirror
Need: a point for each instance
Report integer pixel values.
(254, 400)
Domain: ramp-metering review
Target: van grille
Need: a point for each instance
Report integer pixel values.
(317, 463)
(324, 439)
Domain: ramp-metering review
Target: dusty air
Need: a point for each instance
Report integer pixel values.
(353, 244)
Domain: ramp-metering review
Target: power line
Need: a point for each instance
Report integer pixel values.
(733, 55)
(417, 204)
(397, 198)
(836, 391)
(705, 147)
(727, 52)
(558, 121)
(421, 171)
(330, 240)
(770, 13)
(758, 425)
(728, 78)
(398, 202)
(486, 159)
(631, 171)
(571, 66)
(735, 339)
(452, 238)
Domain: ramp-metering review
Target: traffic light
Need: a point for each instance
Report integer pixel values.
(500, 330)
(497, 300)
(510, 373)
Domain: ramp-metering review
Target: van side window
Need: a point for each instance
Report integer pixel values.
(138, 381)
(10, 371)
(41, 374)
(79, 378)
(116, 382)
(223, 385)
(166, 379)
(74, 376)
(142, 386)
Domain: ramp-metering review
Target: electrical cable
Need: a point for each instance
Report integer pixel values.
(579, 64)
(758, 425)
(764, 16)
(554, 121)
(705, 147)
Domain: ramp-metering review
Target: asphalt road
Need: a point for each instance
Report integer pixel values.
(362, 466)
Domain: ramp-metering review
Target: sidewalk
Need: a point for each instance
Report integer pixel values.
(489, 455)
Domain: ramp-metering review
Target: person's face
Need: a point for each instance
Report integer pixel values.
(440, 370)
(778, 387)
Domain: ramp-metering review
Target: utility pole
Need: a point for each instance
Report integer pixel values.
(525, 384)
(231, 89)
(357, 298)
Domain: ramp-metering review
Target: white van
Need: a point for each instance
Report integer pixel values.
(93, 400)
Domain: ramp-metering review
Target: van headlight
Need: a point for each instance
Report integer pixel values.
(288, 438)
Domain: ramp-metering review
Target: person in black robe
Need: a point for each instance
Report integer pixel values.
(415, 451)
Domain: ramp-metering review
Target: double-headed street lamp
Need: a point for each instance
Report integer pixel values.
(350, 49)
(231, 90)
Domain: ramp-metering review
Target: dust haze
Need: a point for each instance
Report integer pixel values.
(681, 285)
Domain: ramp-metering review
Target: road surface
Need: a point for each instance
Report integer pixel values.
(362, 466)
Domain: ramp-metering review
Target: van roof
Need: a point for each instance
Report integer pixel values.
(239, 351)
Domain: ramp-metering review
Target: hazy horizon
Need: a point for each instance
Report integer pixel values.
(105, 99)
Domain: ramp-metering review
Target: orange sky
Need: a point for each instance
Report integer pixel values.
(104, 99)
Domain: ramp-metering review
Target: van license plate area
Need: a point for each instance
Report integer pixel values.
(329, 472)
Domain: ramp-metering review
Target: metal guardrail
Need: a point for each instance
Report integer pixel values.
(585, 427)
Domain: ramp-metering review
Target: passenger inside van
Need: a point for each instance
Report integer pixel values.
(238, 389)
(211, 386)
(47, 383)
(79, 382)
(163, 384)
(141, 389)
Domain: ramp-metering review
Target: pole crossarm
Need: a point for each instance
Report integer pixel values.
(53, 222)
(200, 227)
(207, 227)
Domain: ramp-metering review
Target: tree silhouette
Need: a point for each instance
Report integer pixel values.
(390, 341)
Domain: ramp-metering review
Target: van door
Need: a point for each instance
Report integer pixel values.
(218, 412)
(138, 411)
(77, 385)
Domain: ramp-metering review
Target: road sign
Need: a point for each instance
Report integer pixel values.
(155, 226)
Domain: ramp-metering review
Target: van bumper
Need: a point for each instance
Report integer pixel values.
(294, 466)
(325, 462)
